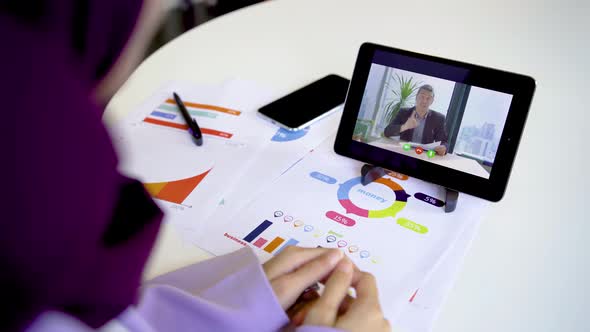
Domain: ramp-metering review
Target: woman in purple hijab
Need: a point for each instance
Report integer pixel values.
(75, 234)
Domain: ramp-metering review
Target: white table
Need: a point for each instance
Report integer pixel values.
(529, 268)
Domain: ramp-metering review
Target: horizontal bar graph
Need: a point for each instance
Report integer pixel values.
(175, 109)
(182, 126)
(163, 115)
(207, 107)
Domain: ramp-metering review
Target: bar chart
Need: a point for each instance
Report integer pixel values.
(182, 126)
(275, 246)
(168, 115)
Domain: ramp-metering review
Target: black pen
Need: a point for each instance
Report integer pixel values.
(193, 127)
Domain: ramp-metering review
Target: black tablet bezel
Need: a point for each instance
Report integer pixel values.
(521, 87)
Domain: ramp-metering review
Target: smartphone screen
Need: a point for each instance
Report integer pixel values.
(302, 107)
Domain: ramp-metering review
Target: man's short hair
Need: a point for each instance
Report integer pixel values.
(426, 87)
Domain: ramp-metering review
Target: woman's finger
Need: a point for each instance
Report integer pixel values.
(365, 312)
(356, 273)
(345, 305)
(366, 293)
(292, 258)
(289, 286)
(298, 311)
(324, 312)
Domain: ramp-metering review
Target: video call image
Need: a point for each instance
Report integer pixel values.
(440, 121)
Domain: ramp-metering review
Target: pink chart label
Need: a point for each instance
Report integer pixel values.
(337, 217)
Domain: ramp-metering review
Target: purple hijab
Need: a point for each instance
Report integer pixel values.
(74, 233)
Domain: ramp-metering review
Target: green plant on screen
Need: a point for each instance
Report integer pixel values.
(403, 92)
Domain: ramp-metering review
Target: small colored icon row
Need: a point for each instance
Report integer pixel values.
(419, 150)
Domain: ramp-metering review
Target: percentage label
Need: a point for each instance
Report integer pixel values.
(412, 226)
(322, 177)
(337, 217)
(429, 199)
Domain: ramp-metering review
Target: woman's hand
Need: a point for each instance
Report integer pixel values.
(295, 269)
(360, 314)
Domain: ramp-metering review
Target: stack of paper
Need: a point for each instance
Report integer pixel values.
(429, 146)
(253, 184)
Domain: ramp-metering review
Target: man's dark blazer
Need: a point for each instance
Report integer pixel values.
(434, 128)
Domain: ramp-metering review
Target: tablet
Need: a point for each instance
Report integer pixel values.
(451, 123)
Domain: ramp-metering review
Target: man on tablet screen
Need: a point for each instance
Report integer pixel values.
(420, 124)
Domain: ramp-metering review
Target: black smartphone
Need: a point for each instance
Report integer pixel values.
(307, 105)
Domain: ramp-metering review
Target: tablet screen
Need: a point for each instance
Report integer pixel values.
(425, 110)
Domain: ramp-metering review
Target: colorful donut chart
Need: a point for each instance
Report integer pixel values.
(401, 197)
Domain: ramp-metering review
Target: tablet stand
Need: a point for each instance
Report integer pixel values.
(370, 173)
